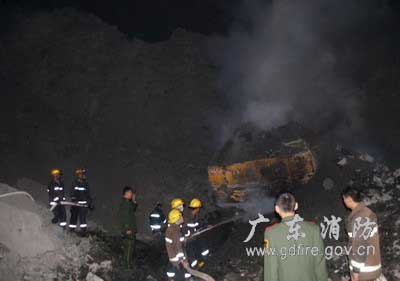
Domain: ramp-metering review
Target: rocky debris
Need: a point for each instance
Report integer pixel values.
(342, 162)
(34, 249)
(103, 269)
(93, 277)
(34, 188)
(366, 157)
(379, 185)
(20, 222)
(98, 257)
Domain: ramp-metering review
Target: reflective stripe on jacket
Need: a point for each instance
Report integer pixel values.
(174, 240)
(363, 231)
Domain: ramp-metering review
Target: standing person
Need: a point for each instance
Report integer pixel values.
(174, 241)
(81, 196)
(193, 221)
(127, 223)
(157, 219)
(179, 204)
(293, 233)
(55, 190)
(362, 228)
(197, 250)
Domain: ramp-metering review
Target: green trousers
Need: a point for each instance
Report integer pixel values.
(128, 247)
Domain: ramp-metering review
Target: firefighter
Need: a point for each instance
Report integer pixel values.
(362, 228)
(81, 196)
(157, 219)
(292, 240)
(55, 190)
(197, 251)
(177, 204)
(174, 241)
(127, 223)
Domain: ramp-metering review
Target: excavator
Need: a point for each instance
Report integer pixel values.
(253, 162)
(233, 182)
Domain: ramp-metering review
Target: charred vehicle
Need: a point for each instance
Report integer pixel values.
(254, 160)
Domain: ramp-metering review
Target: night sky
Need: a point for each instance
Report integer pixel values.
(152, 20)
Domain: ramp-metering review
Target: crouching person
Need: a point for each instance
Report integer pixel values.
(127, 224)
(174, 243)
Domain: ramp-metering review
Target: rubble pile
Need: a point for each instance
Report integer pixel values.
(31, 248)
(381, 187)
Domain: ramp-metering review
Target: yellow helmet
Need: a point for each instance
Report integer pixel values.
(195, 203)
(80, 171)
(176, 203)
(174, 215)
(55, 172)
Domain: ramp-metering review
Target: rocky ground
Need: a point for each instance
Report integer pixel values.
(98, 256)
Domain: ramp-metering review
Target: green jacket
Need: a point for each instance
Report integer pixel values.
(127, 217)
(290, 260)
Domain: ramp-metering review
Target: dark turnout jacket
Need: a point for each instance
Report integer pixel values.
(127, 217)
(80, 192)
(364, 258)
(56, 191)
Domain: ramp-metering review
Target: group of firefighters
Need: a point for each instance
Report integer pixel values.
(180, 228)
(80, 200)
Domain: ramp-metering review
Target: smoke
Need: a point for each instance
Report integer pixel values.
(280, 64)
(257, 202)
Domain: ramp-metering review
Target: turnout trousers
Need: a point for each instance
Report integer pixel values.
(60, 215)
(78, 213)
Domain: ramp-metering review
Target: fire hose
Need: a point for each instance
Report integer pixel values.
(68, 203)
(196, 273)
(215, 225)
(17, 193)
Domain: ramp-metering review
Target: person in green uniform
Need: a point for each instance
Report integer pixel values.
(127, 223)
(294, 249)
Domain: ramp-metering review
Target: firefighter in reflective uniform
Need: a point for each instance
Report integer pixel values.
(174, 241)
(362, 226)
(157, 219)
(179, 204)
(55, 190)
(198, 251)
(80, 195)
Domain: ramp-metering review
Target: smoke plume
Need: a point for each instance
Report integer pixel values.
(280, 64)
